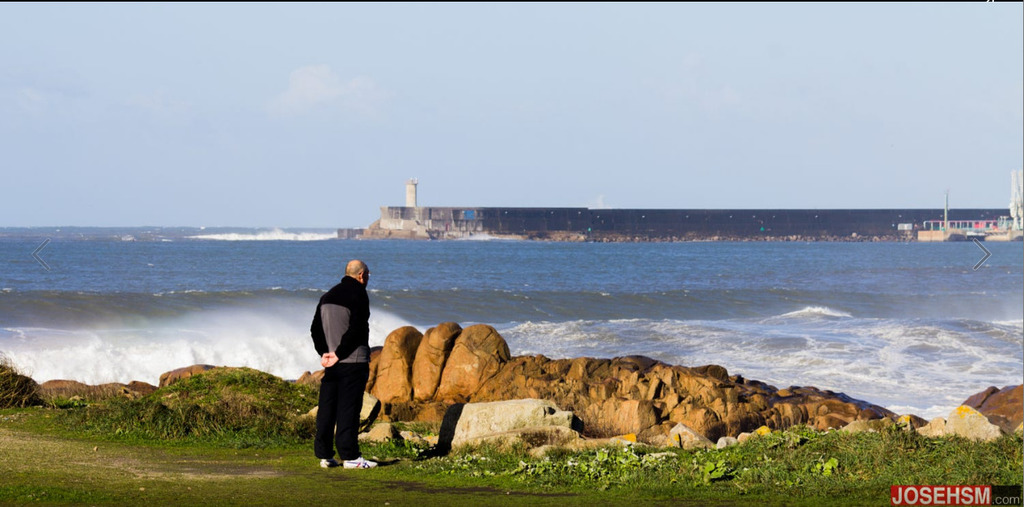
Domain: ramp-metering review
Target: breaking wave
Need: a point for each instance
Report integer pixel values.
(271, 235)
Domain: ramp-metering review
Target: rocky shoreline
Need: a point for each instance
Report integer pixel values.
(421, 376)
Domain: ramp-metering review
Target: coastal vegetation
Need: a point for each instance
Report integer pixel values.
(239, 407)
(231, 436)
(16, 389)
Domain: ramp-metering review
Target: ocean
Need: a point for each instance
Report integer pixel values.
(912, 327)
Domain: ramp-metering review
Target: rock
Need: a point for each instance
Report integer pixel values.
(310, 379)
(967, 422)
(623, 440)
(374, 363)
(430, 412)
(141, 388)
(478, 354)
(686, 438)
(703, 420)
(618, 416)
(632, 394)
(313, 379)
(726, 442)
(820, 409)
(873, 425)
(173, 376)
(935, 428)
(910, 422)
(714, 371)
(431, 357)
(369, 411)
(534, 422)
(656, 435)
(394, 368)
(415, 438)
(1003, 407)
(401, 411)
(975, 400)
(380, 432)
(743, 437)
(555, 436)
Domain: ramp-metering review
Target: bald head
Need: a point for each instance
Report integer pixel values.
(357, 269)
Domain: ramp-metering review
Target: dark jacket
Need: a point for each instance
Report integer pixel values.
(352, 295)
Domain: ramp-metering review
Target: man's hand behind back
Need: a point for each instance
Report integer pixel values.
(329, 359)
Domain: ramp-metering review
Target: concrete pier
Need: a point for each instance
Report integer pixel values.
(584, 224)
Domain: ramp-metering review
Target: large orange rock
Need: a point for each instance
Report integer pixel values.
(619, 416)
(478, 354)
(173, 376)
(1003, 407)
(140, 388)
(311, 379)
(431, 357)
(374, 362)
(393, 381)
(632, 394)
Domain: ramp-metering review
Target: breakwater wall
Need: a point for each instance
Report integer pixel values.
(585, 224)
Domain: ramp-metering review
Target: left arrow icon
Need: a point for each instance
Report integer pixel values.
(35, 254)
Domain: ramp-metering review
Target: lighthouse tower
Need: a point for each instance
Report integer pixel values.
(410, 193)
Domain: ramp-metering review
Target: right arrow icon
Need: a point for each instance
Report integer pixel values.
(983, 259)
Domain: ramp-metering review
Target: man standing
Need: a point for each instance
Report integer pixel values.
(341, 334)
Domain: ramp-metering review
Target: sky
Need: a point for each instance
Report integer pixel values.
(315, 115)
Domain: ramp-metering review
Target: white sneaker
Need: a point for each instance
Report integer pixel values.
(328, 463)
(359, 463)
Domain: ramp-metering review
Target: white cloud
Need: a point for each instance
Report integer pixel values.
(317, 87)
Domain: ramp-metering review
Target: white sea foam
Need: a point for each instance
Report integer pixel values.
(817, 311)
(275, 341)
(271, 235)
(1010, 323)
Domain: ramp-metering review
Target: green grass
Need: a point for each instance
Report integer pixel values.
(797, 465)
(234, 437)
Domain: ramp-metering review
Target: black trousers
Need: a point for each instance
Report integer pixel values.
(341, 399)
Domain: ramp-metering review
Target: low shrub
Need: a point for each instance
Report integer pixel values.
(16, 390)
(246, 406)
